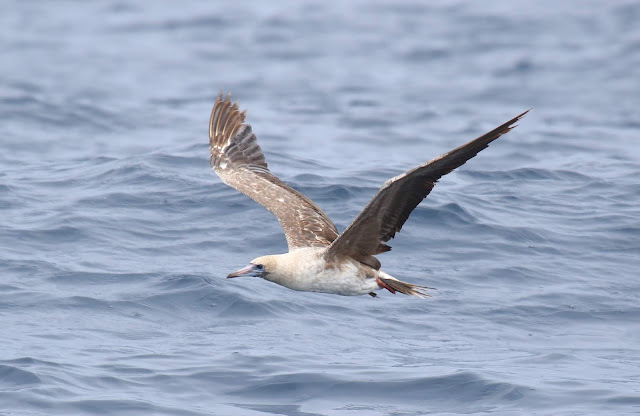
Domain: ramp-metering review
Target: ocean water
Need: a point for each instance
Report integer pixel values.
(116, 236)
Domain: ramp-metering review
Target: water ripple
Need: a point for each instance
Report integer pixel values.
(116, 236)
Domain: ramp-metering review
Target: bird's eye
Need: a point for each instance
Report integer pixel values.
(259, 267)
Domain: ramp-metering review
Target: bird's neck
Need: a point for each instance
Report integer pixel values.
(295, 265)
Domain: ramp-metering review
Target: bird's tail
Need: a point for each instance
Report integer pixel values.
(394, 285)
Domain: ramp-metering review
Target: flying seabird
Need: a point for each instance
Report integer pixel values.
(319, 258)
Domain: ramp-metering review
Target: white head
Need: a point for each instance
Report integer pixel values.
(260, 267)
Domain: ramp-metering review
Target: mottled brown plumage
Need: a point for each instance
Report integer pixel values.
(238, 160)
(319, 260)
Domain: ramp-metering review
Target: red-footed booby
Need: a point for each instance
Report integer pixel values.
(319, 258)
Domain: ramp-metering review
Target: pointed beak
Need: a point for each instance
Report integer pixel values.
(250, 270)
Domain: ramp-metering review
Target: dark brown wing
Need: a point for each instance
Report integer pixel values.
(238, 160)
(384, 216)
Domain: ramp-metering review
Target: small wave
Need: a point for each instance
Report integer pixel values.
(57, 235)
(526, 174)
(174, 24)
(122, 406)
(425, 54)
(625, 400)
(464, 388)
(447, 215)
(14, 378)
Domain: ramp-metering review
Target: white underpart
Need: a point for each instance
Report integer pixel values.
(307, 270)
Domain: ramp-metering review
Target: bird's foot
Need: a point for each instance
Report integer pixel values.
(383, 285)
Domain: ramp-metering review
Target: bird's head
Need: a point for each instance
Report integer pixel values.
(260, 267)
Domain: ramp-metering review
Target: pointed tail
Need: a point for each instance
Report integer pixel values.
(394, 285)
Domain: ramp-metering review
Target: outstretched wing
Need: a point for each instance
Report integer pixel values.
(238, 160)
(384, 216)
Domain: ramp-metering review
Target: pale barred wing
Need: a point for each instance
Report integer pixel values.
(386, 213)
(238, 160)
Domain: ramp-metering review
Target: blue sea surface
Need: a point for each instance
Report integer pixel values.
(116, 236)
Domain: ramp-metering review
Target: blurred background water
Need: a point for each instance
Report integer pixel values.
(115, 236)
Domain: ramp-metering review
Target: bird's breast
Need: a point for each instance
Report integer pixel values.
(346, 278)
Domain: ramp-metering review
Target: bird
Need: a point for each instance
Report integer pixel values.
(319, 258)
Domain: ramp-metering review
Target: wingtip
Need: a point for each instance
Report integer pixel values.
(222, 97)
(225, 120)
(517, 118)
(524, 114)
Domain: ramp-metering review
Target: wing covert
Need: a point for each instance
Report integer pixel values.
(389, 209)
(238, 159)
